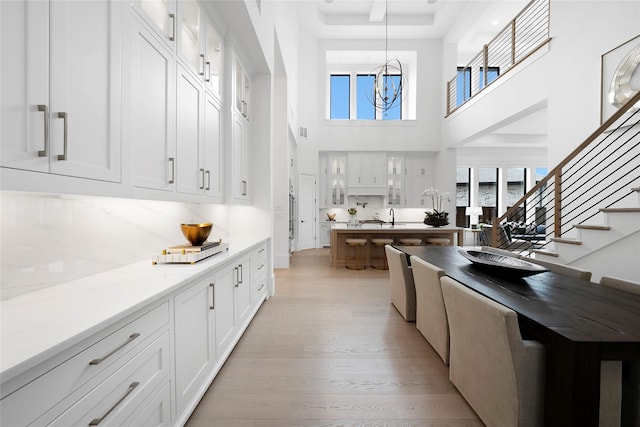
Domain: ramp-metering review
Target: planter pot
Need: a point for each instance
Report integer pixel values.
(436, 222)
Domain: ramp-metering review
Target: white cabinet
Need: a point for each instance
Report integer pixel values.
(325, 234)
(199, 45)
(260, 265)
(225, 312)
(418, 177)
(190, 172)
(241, 155)
(194, 339)
(395, 181)
(337, 180)
(61, 87)
(323, 182)
(160, 15)
(244, 278)
(367, 169)
(116, 370)
(242, 90)
(212, 150)
(152, 111)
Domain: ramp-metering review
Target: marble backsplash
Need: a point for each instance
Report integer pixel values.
(50, 239)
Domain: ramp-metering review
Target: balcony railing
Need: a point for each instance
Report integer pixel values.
(524, 35)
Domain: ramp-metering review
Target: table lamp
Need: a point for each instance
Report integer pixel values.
(473, 212)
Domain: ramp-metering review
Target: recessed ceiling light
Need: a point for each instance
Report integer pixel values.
(495, 22)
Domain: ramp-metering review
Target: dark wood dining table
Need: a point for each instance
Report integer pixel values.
(580, 323)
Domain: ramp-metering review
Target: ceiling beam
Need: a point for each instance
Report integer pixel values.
(378, 11)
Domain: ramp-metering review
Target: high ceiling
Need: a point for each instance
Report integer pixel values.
(470, 23)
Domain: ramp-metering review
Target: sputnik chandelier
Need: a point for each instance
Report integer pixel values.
(389, 79)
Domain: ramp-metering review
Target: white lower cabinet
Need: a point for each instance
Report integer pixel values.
(194, 339)
(149, 369)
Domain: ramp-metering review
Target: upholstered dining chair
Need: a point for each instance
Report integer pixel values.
(630, 375)
(431, 317)
(499, 374)
(562, 268)
(403, 291)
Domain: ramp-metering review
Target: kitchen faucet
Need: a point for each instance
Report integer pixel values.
(393, 216)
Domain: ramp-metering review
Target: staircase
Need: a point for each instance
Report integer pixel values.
(609, 244)
(590, 202)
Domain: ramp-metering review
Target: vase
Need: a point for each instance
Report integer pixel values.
(353, 220)
(435, 221)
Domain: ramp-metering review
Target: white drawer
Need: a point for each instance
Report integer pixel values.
(116, 398)
(260, 261)
(154, 412)
(29, 402)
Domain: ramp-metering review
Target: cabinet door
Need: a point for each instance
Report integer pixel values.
(213, 54)
(152, 112)
(24, 84)
(190, 173)
(212, 147)
(241, 157)
(337, 180)
(419, 176)
(243, 290)
(242, 87)
(225, 319)
(194, 337)
(189, 35)
(161, 17)
(85, 88)
(323, 199)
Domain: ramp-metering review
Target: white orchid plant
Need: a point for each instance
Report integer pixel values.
(437, 200)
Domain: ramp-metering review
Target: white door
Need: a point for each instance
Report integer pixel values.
(306, 211)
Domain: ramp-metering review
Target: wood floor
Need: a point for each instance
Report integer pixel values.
(330, 350)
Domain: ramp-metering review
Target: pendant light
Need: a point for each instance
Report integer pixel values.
(389, 79)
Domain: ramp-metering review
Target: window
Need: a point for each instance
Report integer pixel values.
(463, 192)
(493, 74)
(340, 85)
(488, 192)
(364, 107)
(463, 85)
(516, 187)
(395, 112)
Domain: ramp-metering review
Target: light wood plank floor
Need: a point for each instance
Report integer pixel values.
(330, 350)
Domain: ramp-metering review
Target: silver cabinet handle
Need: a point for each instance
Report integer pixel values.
(208, 180)
(173, 170)
(45, 110)
(213, 297)
(260, 288)
(65, 117)
(208, 79)
(244, 187)
(202, 176)
(173, 26)
(102, 359)
(235, 271)
(260, 250)
(203, 64)
(132, 386)
(241, 274)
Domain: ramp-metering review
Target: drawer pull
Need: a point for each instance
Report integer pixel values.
(45, 110)
(96, 421)
(131, 338)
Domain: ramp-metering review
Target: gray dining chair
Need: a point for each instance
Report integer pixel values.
(431, 317)
(630, 376)
(403, 291)
(499, 374)
(562, 269)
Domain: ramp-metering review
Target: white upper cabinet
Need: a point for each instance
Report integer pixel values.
(61, 86)
(242, 88)
(213, 154)
(213, 59)
(190, 35)
(418, 177)
(395, 181)
(152, 112)
(161, 17)
(367, 169)
(241, 184)
(190, 173)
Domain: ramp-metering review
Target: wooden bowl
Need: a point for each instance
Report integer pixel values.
(196, 234)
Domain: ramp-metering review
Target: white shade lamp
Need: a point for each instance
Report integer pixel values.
(473, 212)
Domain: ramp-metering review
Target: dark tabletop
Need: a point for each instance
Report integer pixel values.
(579, 310)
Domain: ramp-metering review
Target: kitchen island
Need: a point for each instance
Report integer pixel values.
(340, 232)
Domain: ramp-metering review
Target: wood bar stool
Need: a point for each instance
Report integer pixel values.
(406, 241)
(378, 245)
(355, 244)
(437, 241)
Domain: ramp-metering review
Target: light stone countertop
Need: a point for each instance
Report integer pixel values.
(38, 325)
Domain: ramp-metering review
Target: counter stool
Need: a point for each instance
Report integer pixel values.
(410, 241)
(355, 245)
(379, 243)
(437, 241)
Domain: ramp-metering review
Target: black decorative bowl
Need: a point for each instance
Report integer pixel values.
(507, 265)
